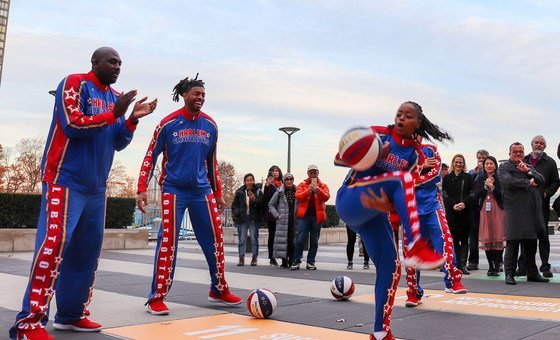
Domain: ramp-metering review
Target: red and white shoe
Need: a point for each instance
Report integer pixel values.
(423, 256)
(456, 288)
(227, 299)
(389, 336)
(157, 307)
(82, 325)
(412, 300)
(35, 334)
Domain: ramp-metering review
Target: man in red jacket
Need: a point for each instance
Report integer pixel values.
(311, 196)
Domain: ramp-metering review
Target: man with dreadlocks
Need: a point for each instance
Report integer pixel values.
(189, 180)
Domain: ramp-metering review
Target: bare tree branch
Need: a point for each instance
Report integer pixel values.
(230, 181)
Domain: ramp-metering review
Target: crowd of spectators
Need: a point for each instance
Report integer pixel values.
(293, 215)
(503, 206)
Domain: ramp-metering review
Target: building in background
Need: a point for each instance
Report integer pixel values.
(4, 10)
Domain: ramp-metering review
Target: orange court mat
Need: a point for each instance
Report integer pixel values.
(230, 327)
(510, 306)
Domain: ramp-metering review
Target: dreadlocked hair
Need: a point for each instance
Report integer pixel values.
(185, 85)
(428, 129)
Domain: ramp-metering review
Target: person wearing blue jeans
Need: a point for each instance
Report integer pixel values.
(311, 196)
(247, 211)
(307, 226)
(253, 229)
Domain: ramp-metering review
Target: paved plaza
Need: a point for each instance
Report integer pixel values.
(306, 309)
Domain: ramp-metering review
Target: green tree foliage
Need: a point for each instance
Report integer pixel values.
(22, 211)
(332, 217)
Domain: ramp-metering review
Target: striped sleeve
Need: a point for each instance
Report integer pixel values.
(150, 159)
(213, 171)
(426, 175)
(71, 99)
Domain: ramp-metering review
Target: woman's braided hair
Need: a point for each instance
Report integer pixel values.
(428, 129)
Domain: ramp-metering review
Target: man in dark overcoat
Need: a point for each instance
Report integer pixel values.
(546, 166)
(524, 216)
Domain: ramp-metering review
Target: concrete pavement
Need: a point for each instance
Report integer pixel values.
(305, 310)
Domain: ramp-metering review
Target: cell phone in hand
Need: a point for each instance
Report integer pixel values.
(314, 181)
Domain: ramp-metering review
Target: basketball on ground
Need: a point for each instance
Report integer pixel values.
(342, 287)
(261, 303)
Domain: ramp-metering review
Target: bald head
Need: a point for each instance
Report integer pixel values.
(106, 65)
(100, 52)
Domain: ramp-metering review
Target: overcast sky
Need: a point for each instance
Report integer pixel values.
(488, 72)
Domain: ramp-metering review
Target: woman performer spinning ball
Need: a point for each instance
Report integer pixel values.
(366, 196)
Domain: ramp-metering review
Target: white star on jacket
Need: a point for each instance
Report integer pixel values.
(71, 93)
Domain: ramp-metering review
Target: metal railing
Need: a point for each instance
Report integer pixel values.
(151, 220)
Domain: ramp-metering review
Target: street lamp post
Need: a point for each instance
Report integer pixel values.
(289, 131)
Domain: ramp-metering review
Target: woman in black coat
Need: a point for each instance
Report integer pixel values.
(457, 189)
(247, 210)
(273, 182)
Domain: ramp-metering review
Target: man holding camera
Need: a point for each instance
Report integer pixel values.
(311, 196)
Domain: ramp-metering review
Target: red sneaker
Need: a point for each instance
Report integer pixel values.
(423, 256)
(35, 334)
(82, 325)
(157, 307)
(457, 288)
(227, 298)
(412, 300)
(389, 336)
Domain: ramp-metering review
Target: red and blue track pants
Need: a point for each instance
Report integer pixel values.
(203, 214)
(67, 249)
(377, 234)
(433, 227)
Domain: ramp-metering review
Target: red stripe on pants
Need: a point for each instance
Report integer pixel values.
(453, 273)
(411, 278)
(49, 256)
(222, 285)
(388, 307)
(166, 251)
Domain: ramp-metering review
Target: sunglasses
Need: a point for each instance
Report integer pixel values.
(289, 179)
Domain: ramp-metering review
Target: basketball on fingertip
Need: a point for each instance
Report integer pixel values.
(261, 303)
(342, 287)
(359, 148)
